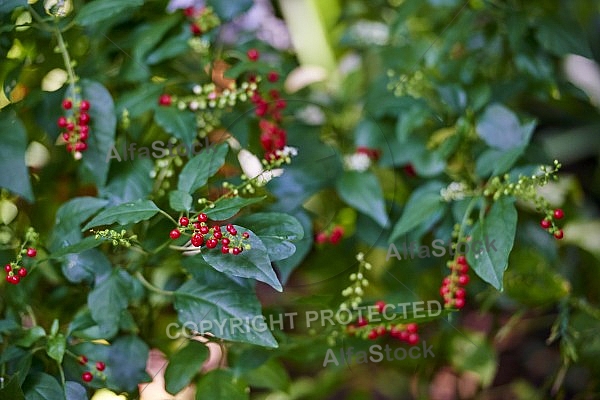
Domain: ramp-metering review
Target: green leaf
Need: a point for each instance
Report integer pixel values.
(124, 214)
(303, 246)
(184, 365)
(12, 389)
(196, 172)
(75, 391)
(473, 353)
(270, 375)
(131, 182)
(494, 237)
(108, 299)
(171, 48)
(223, 305)
(91, 265)
(362, 191)
(423, 204)
(562, 37)
(253, 263)
(41, 386)
(499, 127)
(100, 10)
(31, 336)
(228, 10)
(70, 216)
(88, 243)
(56, 347)
(220, 384)
(140, 100)
(103, 124)
(126, 363)
(181, 124)
(9, 5)
(12, 156)
(276, 231)
(228, 207)
(180, 201)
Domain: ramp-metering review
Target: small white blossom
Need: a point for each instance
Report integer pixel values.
(454, 191)
(311, 115)
(357, 162)
(371, 32)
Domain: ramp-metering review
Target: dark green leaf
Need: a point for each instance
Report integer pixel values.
(223, 305)
(362, 191)
(494, 237)
(124, 214)
(75, 391)
(12, 389)
(220, 384)
(171, 48)
(91, 265)
(30, 336)
(100, 10)
(424, 203)
(41, 386)
(253, 263)
(196, 172)
(276, 231)
(303, 246)
(181, 124)
(228, 207)
(108, 299)
(12, 156)
(562, 37)
(56, 347)
(131, 182)
(7, 6)
(140, 100)
(86, 244)
(126, 363)
(184, 365)
(103, 124)
(180, 201)
(270, 375)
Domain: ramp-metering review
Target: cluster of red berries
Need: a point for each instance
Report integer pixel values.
(202, 19)
(211, 237)
(15, 272)
(404, 332)
(76, 125)
(88, 376)
(452, 289)
(548, 223)
(334, 237)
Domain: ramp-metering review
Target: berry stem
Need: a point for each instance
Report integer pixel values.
(66, 59)
(151, 287)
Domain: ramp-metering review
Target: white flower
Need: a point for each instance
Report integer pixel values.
(311, 115)
(253, 168)
(454, 191)
(357, 162)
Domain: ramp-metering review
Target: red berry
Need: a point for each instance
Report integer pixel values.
(446, 281)
(22, 272)
(444, 290)
(83, 134)
(280, 104)
(559, 213)
(13, 279)
(84, 118)
(409, 170)
(225, 249)
(81, 146)
(403, 335)
(233, 232)
(461, 260)
(380, 305)
(463, 279)
(463, 269)
(225, 242)
(272, 76)
(413, 339)
(8, 268)
(373, 334)
(87, 376)
(362, 321)
(202, 217)
(84, 129)
(62, 122)
(195, 29)
(211, 243)
(189, 12)
(184, 221)
(237, 250)
(83, 360)
(412, 328)
(253, 54)
(558, 234)
(381, 330)
(84, 105)
(217, 235)
(31, 252)
(245, 235)
(174, 234)
(197, 240)
(460, 293)
(100, 366)
(70, 126)
(66, 137)
(459, 303)
(67, 104)
(545, 223)
(164, 100)
(204, 229)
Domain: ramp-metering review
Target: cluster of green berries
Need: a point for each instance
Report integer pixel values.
(76, 126)
(116, 238)
(355, 291)
(211, 237)
(452, 289)
(88, 376)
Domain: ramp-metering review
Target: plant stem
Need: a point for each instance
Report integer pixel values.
(151, 287)
(66, 58)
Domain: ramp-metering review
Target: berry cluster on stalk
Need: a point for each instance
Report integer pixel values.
(452, 289)
(201, 19)
(99, 367)
(15, 272)
(548, 222)
(211, 237)
(333, 237)
(76, 126)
